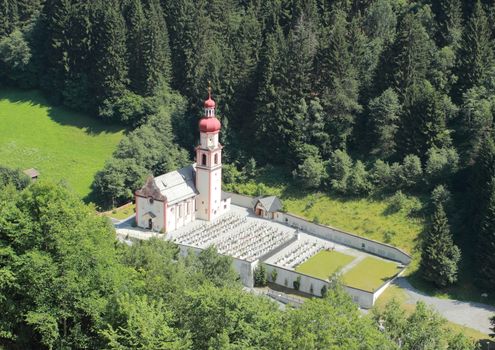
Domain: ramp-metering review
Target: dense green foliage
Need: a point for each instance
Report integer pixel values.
(65, 282)
(353, 97)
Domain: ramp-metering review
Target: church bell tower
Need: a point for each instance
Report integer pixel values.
(209, 165)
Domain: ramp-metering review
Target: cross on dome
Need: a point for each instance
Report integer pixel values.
(209, 103)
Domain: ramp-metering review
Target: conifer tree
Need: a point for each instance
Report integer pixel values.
(439, 255)
(8, 15)
(384, 122)
(156, 50)
(135, 23)
(486, 242)
(55, 19)
(337, 82)
(449, 18)
(423, 122)
(476, 53)
(109, 53)
(412, 52)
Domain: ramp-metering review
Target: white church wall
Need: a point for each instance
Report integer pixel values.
(144, 206)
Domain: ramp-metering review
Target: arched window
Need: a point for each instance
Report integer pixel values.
(216, 158)
(203, 159)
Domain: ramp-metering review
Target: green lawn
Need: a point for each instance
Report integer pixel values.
(370, 274)
(62, 144)
(121, 213)
(324, 264)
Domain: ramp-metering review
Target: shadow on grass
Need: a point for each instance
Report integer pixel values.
(60, 114)
(463, 290)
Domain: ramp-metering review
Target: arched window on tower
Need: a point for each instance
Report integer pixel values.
(203, 159)
(216, 158)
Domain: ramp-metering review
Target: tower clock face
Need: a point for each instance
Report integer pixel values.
(210, 141)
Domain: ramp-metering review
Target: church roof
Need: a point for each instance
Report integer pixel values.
(150, 189)
(271, 204)
(177, 185)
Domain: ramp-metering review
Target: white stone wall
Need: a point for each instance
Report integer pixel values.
(143, 206)
(287, 277)
(345, 238)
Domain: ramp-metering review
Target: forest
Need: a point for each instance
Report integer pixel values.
(358, 98)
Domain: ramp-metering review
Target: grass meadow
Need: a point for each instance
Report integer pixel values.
(62, 144)
(324, 264)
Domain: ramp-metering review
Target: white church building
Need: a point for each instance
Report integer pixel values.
(172, 200)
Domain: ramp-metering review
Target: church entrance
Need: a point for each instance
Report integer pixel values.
(150, 224)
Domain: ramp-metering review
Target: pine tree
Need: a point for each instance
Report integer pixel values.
(55, 19)
(412, 53)
(485, 255)
(8, 15)
(384, 122)
(337, 82)
(135, 23)
(439, 255)
(476, 52)
(156, 50)
(109, 53)
(449, 18)
(423, 122)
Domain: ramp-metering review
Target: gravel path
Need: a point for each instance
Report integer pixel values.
(469, 314)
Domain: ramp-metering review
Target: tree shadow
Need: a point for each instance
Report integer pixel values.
(60, 114)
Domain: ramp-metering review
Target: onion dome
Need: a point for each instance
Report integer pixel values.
(209, 125)
(209, 103)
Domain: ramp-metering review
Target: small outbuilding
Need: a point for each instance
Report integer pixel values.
(267, 207)
(32, 173)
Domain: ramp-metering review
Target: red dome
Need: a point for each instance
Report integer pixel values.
(209, 103)
(209, 124)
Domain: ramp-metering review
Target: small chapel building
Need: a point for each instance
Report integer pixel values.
(173, 200)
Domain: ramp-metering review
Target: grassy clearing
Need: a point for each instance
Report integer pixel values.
(62, 144)
(370, 274)
(324, 264)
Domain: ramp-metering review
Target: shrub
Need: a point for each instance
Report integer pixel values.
(324, 291)
(359, 183)
(339, 171)
(388, 235)
(260, 277)
(412, 172)
(440, 196)
(441, 164)
(14, 177)
(311, 173)
(274, 274)
(297, 283)
(397, 202)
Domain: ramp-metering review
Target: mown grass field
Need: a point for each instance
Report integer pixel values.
(62, 144)
(324, 264)
(370, 274)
